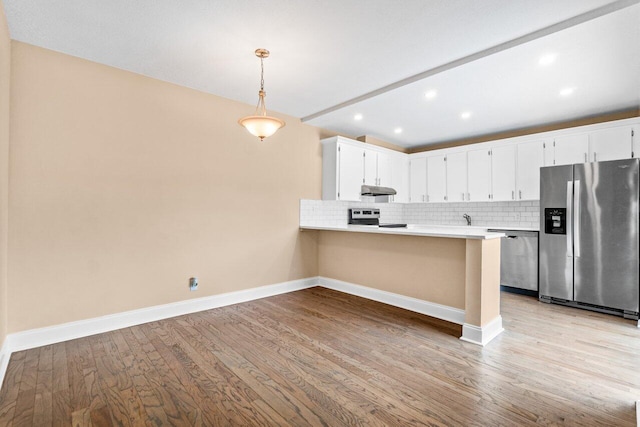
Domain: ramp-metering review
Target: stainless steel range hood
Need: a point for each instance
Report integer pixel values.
(375, 194)
(373, 190)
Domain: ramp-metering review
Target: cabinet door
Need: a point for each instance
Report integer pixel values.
(529, 160)
(400, 177)
(418, 180)
(571, 149)
(611, 144)
(384, 170)
(436, 179)
(370, 167)
(479, 175)
(503, 172)
(350, 172)
(456, 177)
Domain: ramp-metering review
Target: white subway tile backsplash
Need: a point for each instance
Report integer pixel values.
(493, 214)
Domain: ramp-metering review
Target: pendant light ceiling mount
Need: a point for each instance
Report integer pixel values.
(260, 124)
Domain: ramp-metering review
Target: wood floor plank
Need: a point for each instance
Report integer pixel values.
(282, 381)
(78, 396)
(178, 403)
(350, 390)
(224, 386)
(43, 406)
(212, 413)
(11, 387)
(319, 357)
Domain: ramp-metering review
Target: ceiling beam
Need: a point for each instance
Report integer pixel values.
(551, 29)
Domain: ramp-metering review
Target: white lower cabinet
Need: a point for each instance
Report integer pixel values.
(436, 179)
(457, 177)
(479, 175)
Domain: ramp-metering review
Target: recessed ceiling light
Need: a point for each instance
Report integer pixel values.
(465, 115)
(397, 130)
(430, 94)
(547, 59)
(567, 91)
(357, 117)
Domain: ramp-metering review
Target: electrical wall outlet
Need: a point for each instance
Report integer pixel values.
(193, 284)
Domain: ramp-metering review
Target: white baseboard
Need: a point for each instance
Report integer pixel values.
(482, 335)
(58, 333)
(638, 413)
(444, 312)
(5, 355)
(83, 328)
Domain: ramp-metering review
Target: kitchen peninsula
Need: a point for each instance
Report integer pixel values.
(452, 273)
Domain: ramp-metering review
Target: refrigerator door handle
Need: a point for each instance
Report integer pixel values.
(576, 217)
(569, 219)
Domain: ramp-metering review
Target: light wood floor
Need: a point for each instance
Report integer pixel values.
(319, 357)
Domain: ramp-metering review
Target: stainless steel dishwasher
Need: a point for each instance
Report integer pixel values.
(519, 261)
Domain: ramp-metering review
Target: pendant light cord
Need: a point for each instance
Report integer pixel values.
(262, 74)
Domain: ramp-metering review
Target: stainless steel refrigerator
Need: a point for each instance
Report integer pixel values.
(589, 236)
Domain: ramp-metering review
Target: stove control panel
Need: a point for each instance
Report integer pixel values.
(364, 216)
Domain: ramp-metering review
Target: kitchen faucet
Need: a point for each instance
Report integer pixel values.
(468, 218)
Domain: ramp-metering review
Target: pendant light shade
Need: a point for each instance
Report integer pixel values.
(260, 124)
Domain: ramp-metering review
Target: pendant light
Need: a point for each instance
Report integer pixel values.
(260, 124)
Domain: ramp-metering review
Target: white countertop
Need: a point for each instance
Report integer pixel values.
(448, 231)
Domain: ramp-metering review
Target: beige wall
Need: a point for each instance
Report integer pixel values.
(431, 269)
(5, 72)
(123, 187)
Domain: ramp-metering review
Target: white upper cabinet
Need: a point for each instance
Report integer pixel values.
(348, 164)
(418, 179)
(571, 149)
(479, 175)
(530, 158)
(503, 171)
(350, 172)
(510, 172)
(436, 179)
(399, 177)
(370, 167)
(377, 168)
(456, 177)
(611, 144)
(384, 170)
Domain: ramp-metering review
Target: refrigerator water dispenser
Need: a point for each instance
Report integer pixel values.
(555, 220)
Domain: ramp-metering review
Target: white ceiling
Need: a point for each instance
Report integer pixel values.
(324, 53)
